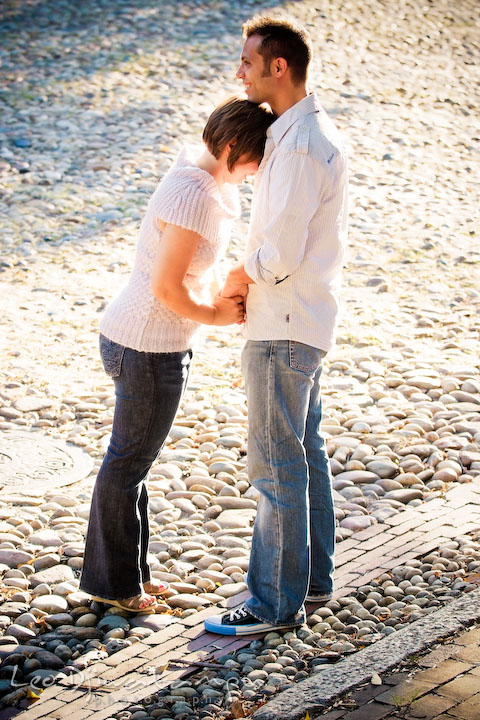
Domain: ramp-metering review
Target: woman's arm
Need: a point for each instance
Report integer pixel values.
(174, 255)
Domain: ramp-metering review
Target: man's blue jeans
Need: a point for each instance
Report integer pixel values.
(148, 389)
(294, 534)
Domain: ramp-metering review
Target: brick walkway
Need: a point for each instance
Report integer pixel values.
(447, 688)
(147, 666)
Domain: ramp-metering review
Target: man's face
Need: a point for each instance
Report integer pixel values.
(256, 78)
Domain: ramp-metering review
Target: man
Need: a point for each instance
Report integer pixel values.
(292, 271)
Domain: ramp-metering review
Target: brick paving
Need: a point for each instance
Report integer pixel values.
(447, 688)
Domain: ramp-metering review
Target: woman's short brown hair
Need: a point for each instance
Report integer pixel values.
(282, 37)
(242, 123)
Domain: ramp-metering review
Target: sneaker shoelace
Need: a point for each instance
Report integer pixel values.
(239, 614)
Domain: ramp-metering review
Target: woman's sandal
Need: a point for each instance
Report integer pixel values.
(155, 587)
(140, 604)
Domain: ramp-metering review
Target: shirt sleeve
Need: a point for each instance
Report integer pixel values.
(297, 185)
(187, 205)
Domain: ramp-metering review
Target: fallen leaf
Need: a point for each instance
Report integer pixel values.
(474, 578)
(237, 709)
(376, 679)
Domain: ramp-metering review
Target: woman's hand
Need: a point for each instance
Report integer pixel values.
(228, 310)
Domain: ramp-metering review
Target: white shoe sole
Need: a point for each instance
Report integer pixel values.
(214, 624)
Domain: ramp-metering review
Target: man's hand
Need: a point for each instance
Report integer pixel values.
(237, 282)
(231, 289)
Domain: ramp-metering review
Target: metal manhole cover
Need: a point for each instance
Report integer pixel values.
(31, 460)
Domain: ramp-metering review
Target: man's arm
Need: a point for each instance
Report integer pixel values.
(297, 188)
(298, 184)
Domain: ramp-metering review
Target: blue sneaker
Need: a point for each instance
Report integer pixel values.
(241, 622)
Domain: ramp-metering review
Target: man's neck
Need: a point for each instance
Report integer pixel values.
(285, 100)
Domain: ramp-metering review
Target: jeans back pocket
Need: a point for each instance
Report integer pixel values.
(112, 356)
(305, 358)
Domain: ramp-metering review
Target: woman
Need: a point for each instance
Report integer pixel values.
(146, 339)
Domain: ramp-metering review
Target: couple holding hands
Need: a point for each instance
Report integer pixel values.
(285, 293)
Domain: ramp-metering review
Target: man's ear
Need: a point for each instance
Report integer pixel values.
(279, 67)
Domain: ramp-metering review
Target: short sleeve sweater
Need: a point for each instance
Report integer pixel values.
(190, 198)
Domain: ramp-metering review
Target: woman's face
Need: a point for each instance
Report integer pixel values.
(242, 170)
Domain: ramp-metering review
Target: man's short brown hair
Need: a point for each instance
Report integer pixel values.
(242, 123)
(282, 37)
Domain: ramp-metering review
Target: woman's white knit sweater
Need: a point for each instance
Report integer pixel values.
(189, 197)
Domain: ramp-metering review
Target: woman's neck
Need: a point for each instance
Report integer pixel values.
(210, 164)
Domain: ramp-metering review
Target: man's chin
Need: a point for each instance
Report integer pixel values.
(254, 97)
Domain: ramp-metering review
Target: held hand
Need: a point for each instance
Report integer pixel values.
(228, 310)
(235, 283)
(231, 289)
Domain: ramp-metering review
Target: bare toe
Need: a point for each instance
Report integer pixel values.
(155, 586)
(140, 602)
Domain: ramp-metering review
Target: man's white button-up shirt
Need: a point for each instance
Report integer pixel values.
(298, 230)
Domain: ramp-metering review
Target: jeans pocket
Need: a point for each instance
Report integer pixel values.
(112, 356)
(304, 358)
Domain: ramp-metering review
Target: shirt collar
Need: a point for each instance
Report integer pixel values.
(305, 106)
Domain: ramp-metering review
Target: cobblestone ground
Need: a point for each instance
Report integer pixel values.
(96, 99)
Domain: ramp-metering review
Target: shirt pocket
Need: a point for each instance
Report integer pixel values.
(111, 354)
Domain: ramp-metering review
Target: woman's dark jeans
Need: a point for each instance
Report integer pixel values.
(148, 389)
